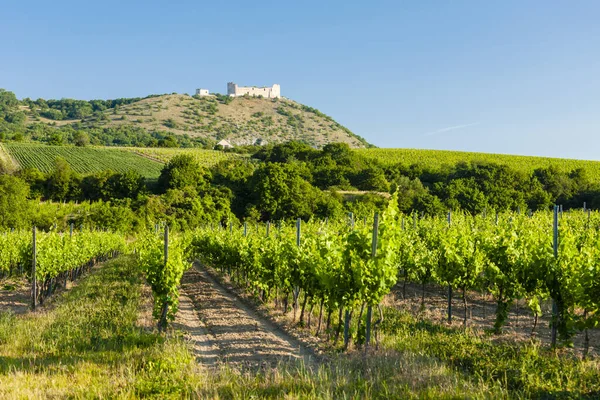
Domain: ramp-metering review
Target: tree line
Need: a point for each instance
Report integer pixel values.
(288, 181)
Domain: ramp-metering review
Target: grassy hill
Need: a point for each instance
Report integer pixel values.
(240, 120)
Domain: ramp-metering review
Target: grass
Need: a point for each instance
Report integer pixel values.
(523, 370)
(84, 160)
(87, 345)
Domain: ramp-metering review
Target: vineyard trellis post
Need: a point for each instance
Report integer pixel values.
(245, 229)
(297, 288)
(555, 246)
(449, 285)
(162, 324)
(373, 255)
(33, 273)
(268, 227)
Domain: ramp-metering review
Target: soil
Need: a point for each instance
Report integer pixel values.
(481, 310)
(200, 340)
(15, 296)
(244, 338)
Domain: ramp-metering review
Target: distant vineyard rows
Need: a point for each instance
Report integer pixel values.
(437, 158)
(83, 160)
(206, 158)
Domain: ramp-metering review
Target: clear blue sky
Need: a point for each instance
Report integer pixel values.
(519, 77)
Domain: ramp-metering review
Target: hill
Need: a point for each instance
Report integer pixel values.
(240, 120)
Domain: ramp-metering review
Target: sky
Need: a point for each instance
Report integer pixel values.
(515, 77)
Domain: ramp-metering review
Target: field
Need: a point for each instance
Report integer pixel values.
(206, 158)
(437, 158)
(84, 160)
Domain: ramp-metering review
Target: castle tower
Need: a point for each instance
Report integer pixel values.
(231, 89)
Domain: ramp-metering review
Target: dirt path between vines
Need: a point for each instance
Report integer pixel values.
(243, 337)
(15, 296)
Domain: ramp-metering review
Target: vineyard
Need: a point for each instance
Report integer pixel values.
(437, 158)
(84, 160)
(51, 258)
(334, 279)
(206, 158)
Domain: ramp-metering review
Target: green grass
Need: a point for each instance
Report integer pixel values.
(88, 345)
(523, 370)
(437, 158)
(84, 160)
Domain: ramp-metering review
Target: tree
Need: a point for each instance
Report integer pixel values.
(59, 181)
(279, 192)
(126, 185)
(180, 172)
(81, 139)
(14, 206)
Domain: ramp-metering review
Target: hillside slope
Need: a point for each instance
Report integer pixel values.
(241, 120)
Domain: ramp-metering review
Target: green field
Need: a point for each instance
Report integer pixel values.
(206, 158)
(437, 158)
(84, 160)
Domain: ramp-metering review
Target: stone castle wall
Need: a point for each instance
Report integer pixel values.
(267, 92)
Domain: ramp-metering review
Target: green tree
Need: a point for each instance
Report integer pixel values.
(180, 172)
(14, 206)
(59, 181)
(81, 139)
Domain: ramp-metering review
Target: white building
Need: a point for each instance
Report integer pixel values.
(202, 92)
(269, 92)
(225, 144)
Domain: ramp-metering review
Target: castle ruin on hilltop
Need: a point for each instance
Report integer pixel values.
(271, 92)
(233, 90)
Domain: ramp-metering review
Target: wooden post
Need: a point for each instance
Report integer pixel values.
(298, 229)
(268, 227)
(33, 273)
(373, 255)
(245, 228)
(449, 285)
(554, 305)
(71, 230)
(162, 324)
(297, 288)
